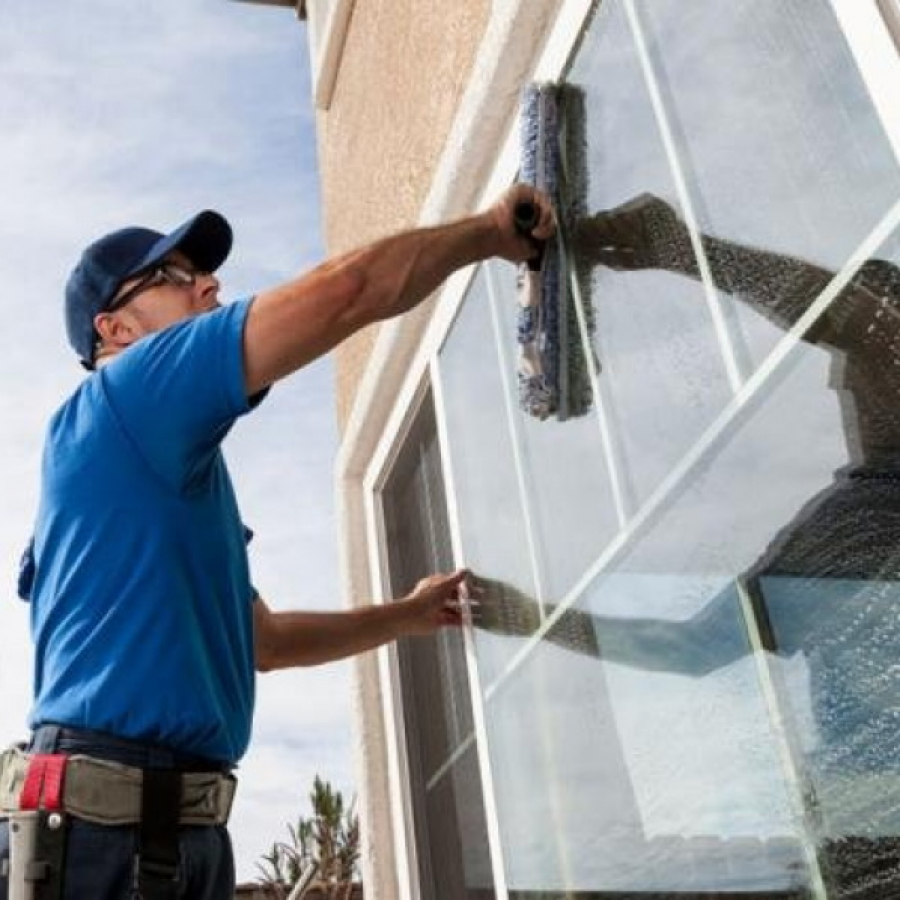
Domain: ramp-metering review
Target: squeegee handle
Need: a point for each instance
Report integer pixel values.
(525, 217)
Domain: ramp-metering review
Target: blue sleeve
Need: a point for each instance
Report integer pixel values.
(177, 393)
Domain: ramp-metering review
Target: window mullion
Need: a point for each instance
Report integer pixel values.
(736, 368)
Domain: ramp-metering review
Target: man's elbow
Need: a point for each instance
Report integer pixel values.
(265, 638)
(264, 659)
(357, 302)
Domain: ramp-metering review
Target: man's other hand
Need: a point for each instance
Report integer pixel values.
(436, 601)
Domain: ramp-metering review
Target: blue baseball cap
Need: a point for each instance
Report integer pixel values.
(204, 239)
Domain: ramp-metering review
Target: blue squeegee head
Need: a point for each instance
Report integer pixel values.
(553, 373)
(538, 327)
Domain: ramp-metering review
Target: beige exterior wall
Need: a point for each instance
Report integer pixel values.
(404, 68)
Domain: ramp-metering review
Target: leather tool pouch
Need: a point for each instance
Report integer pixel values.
(37, 847)
(37, 831)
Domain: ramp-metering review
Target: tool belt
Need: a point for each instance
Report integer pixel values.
(109, 793)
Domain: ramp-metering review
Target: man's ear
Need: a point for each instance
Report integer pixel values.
(114, 330)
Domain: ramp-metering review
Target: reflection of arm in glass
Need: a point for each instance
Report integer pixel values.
(862, 322)
(646, 233)
(712, 638)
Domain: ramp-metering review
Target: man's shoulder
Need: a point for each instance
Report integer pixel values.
(184, 343)
(79, 415)
(86, 393)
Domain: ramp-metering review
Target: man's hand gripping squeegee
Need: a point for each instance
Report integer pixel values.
(526, 217)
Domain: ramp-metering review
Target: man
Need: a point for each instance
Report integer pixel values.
(146, 626)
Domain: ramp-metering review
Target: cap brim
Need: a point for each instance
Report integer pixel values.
(205, 240)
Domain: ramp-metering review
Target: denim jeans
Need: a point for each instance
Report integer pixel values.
(100, 859)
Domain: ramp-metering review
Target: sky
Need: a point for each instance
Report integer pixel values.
(117, 114)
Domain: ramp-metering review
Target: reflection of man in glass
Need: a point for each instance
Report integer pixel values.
(829, 582)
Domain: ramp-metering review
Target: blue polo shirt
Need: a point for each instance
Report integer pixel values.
(141, 600)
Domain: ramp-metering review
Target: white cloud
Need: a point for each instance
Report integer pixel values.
(302, 730)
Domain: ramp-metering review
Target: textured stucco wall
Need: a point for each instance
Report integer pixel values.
(404, 68)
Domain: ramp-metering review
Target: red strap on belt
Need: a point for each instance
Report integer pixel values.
(45, 776)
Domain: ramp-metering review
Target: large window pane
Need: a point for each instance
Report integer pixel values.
(658, 757)
(595, 805)
(780, 141)
(494, 531)
(565, 472)
(786, 168)
(516, 478)
(664, 375)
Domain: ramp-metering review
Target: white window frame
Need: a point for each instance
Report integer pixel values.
(399, 781)
(328, 27)
(890, 11)
(872, 45)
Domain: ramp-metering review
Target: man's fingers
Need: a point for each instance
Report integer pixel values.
(470, 590)
(460, 610)
(462, 603)
(441, 582)
(456, 577)
(522, 193)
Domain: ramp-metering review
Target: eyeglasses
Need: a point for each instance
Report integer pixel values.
(165, 273)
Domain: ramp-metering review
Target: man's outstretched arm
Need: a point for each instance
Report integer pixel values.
(291, 325)
(286, 639)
